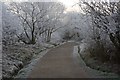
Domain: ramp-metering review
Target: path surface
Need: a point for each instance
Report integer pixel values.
(60, 62)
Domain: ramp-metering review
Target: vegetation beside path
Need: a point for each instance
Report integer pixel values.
(91, 66)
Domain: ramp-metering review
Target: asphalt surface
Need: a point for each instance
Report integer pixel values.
(58, 63)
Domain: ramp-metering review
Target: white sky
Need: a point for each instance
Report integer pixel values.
(68, 3)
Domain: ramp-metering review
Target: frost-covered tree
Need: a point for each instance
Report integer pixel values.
(56, 16)
(105, 21)
(9, 25)
(35, 18)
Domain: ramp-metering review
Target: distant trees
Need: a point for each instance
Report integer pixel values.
(71, 34)
(9, 26)
(37, 19)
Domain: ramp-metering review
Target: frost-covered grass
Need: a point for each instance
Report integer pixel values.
(99, 68)
(23, 73)
(17, 57)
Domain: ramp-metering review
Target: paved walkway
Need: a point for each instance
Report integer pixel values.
(60, 62)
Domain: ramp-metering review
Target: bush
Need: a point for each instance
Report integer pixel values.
(100, 53)
(71, 35)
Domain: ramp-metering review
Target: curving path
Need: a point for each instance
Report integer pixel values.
(60, 62)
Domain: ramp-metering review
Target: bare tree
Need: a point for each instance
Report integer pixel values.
(35, 17)
(105, 18)
(9, 26)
